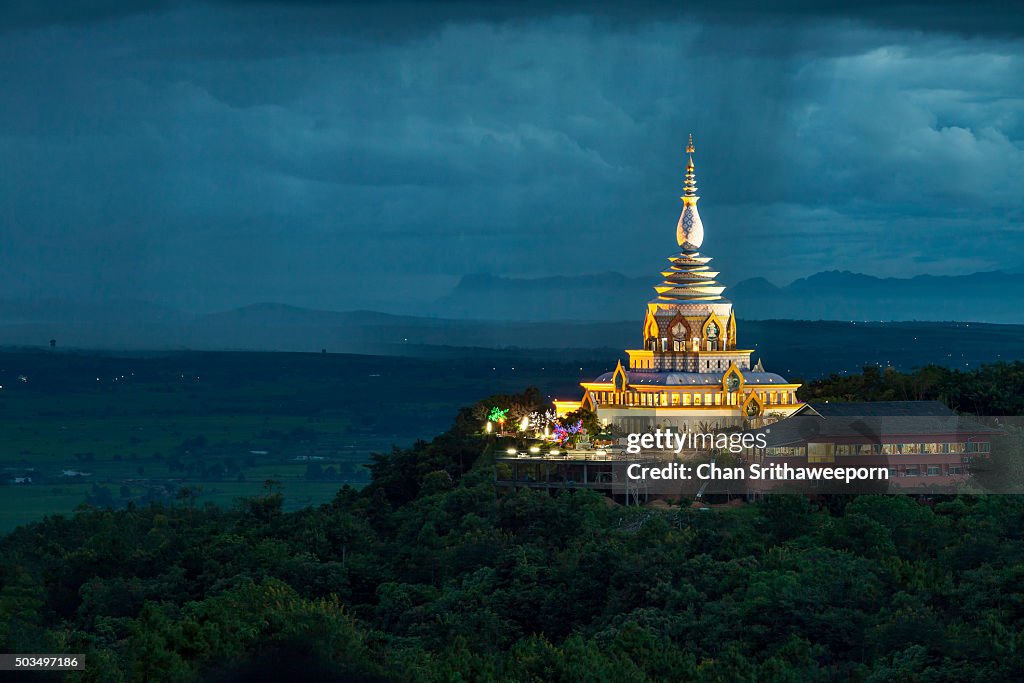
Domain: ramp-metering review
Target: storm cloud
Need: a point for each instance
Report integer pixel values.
(342, 156)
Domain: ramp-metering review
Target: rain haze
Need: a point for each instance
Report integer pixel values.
(205, 156)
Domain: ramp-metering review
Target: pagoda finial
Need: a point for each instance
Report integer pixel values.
(691, 181)
(689, 230)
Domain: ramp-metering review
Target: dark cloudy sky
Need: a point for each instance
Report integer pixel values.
(207, 155)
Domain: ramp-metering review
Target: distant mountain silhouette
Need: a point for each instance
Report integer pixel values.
(834, 295)
(791, 347)
(602, 296)
(600, 311)
(841, 295)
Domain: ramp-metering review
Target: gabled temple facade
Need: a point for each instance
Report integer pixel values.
(689, 372)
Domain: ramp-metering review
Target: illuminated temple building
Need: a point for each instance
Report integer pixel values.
(690, 372)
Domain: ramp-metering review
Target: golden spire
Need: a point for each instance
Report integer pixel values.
(690, 230)
(691, 182)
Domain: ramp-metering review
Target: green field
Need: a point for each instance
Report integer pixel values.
(136, 428)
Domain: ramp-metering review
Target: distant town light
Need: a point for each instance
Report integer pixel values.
(554, 451)
(511, 451)
(490, 427)
(535, 449)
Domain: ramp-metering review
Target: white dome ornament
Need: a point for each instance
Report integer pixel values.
(690, 229)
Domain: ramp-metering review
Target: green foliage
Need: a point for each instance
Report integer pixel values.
(589, 418)
(993, 389)
(431, 574)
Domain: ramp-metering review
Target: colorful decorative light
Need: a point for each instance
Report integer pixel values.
(563, 433)
(498, 414)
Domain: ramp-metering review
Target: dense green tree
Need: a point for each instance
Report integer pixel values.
(431, 573)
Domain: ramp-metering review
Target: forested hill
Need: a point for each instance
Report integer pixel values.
(429, 574)
(995, 389)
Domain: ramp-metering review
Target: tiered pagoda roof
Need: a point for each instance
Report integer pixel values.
(689, 278)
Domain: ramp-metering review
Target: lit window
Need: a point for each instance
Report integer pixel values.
(819, 452)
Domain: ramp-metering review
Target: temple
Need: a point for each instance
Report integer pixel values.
(690, 372)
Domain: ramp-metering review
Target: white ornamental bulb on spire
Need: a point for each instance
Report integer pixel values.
(690, 230)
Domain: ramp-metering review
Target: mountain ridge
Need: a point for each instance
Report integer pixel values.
(986, 296)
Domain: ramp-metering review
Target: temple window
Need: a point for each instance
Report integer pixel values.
(820, 452)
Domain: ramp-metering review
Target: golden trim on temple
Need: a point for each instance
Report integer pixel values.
(689, 373)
